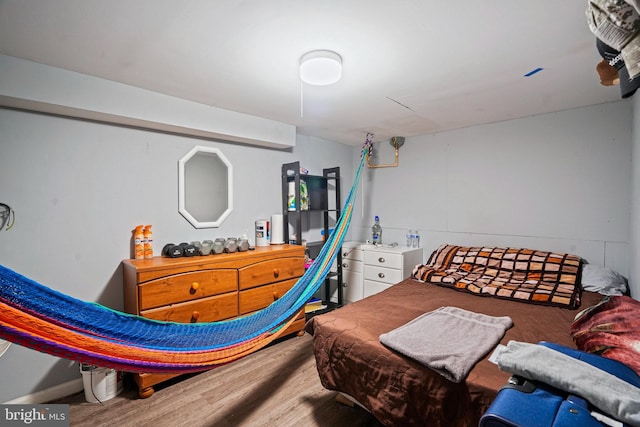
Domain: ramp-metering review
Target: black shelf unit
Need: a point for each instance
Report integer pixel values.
(318, 189)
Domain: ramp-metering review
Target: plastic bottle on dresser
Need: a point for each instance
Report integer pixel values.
(138, 244)
(376, 231)
(148, 242)
(413, 238)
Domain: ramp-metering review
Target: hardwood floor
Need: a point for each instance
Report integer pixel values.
(276, 386)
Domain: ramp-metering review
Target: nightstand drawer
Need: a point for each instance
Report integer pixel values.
(382, 274)
(186, 287)
(208, 309)
(260, 297)
(383, 259)
(270, 271)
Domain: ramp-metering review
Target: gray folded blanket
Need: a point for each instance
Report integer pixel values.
(605, 391)
(448, 340)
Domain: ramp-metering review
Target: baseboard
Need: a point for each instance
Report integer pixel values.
(50, 394)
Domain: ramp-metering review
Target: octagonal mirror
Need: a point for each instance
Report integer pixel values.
(205, 187)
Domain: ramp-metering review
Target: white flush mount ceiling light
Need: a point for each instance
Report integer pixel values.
(320, 67)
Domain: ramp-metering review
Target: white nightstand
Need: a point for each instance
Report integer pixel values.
(386, 265)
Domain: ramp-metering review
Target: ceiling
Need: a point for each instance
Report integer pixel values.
(410, 67)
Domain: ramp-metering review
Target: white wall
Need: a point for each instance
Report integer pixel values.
(558, 181)
(78, 188)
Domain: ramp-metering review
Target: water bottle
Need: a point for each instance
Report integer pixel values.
(376, 232)
(413, 238)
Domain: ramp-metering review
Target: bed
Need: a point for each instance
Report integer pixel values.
(398, 390)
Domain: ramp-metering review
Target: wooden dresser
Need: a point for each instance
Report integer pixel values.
(209, 288)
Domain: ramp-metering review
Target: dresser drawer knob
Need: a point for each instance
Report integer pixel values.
(381, 260)
(276, 272)
(345, 285)
(195, 316)
(345, 265)
(381, 275)
(194, 286)
(276, 296)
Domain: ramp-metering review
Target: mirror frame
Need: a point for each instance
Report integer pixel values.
(182, 190)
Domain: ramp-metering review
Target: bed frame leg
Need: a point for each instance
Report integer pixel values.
(342, 399)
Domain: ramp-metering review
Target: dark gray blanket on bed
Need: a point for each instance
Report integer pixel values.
(448, 340)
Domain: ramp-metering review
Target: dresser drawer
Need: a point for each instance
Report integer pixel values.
(383, 259)
(271, 271)
(352, 253)
(209, 309)
(260, 297)
(349, 264)
(186, 287)
(382, 274)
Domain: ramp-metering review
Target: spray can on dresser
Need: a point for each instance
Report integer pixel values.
(148, 242)
(138, 244)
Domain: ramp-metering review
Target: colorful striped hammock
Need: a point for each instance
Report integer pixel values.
(40, 318)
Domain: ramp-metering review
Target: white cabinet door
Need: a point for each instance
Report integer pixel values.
(353, 286)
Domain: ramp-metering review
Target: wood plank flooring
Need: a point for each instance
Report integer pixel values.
(276, 386)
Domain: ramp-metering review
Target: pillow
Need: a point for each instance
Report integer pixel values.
(596, 278)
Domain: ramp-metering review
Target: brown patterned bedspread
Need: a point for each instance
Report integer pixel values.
(526, 275)
(401, 392)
